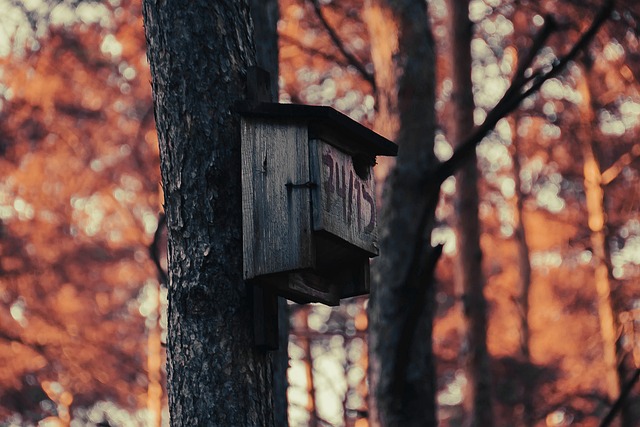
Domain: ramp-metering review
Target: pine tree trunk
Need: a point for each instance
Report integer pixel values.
(617, 370)
(402, 373)
(383, 38)
(199, 52)
(383, 35)
(524, 276)
(469, 278)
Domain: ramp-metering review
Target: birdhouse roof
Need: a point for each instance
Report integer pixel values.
(327, 124)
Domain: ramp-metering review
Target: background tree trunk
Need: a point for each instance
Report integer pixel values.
(469, 278)
(199, 52)
(383, 34)
(608, 310)
(524, 272)
(402, 373)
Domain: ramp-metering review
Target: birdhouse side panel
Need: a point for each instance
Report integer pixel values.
(343, 201)
(276, 206)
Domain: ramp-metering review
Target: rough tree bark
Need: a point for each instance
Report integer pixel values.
(469, 278)
(199, 52)
(402, 374)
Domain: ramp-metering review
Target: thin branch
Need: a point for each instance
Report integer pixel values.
(623, 161)
(539, 41)
(353, 61)
(598, 21)
(312, 50)
(38, 348)
(617, 405)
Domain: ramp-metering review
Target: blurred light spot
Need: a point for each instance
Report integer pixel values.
(449, 185)
(585, 257)
(62, 14)
(17, 311)
(506, 230)
(150, 222)
(24, 210)
(618, 273)
(546, 259)
(446, 236)
(613, 51)
(479, 115)
(551, 131)
(559, 418)
(111, 46)
(148, 300)
(478, 10)
(442, 148)
(508, 187)
(96, 165)
(319, 317)
(129, 73)
(453, 392)
(548, 198)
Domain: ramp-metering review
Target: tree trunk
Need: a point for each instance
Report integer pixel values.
(469, 279)
(402, 373)
(199, 53)
(383, 34)
(383, 38)
(265, 15)
(524, 274)
(610, 328)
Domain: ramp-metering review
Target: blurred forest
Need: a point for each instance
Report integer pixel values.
(82, 304)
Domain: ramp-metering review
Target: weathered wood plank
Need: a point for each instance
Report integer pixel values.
(276, 212)
(343, 200)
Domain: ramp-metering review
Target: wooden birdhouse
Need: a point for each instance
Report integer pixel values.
(308, 201)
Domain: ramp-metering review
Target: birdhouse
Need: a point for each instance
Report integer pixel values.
(308, 201)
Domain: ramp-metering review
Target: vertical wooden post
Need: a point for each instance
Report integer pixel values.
(265, 301)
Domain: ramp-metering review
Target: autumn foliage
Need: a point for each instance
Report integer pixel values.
(79, 203)
(80, 299)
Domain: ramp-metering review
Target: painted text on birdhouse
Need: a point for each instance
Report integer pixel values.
(344, 203)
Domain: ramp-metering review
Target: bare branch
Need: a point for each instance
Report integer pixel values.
(313, 51)
(351, 58)
(598, 21)
(617, 405)
(623, 161)
(541, 38)
(38, 348)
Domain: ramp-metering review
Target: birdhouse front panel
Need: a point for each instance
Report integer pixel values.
(276, 203)
(343, 201)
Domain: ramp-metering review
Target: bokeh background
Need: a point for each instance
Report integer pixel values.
(82, 301)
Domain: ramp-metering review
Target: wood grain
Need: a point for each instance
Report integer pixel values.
(276, 217)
